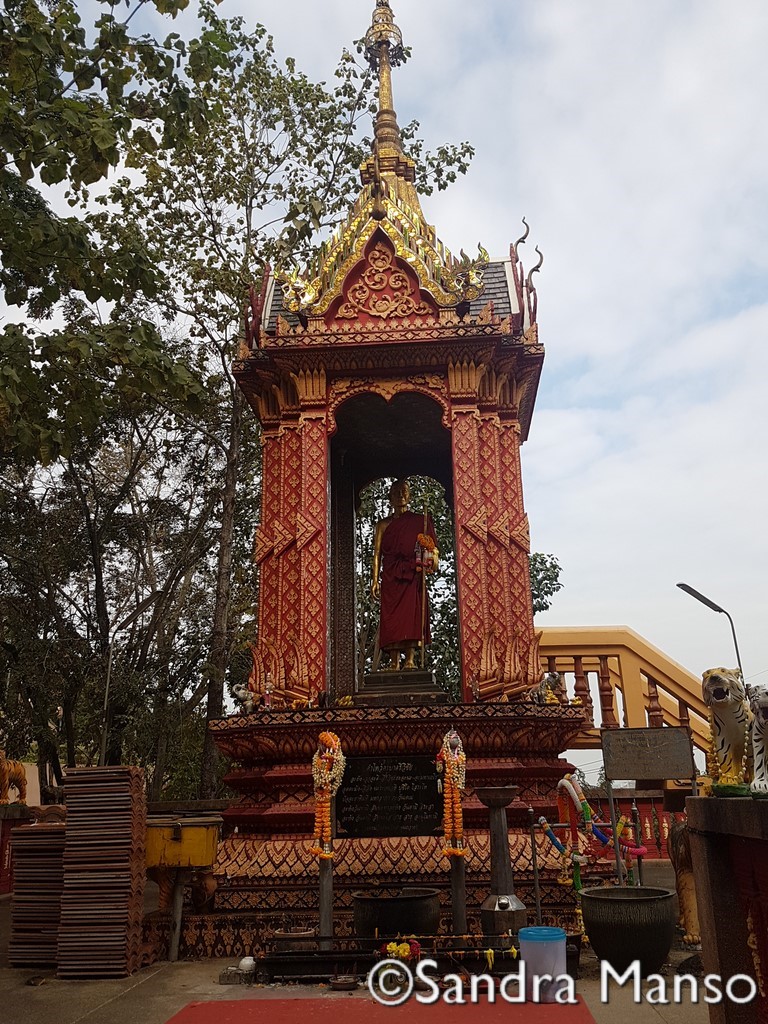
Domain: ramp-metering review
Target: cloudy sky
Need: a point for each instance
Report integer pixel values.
(632, 137)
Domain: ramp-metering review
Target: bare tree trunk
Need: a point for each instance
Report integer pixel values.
(163, 725)
(161, 750)
(69, 732)
(219, 655)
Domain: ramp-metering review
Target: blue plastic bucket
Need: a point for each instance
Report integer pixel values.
(543, 953)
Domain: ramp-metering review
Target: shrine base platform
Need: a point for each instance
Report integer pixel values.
(267, 878)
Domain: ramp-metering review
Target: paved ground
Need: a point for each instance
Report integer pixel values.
(155, 994)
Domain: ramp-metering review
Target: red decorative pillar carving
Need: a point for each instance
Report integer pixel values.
(312, 528)
(471, 522)
(495, 497)
(264, 544)
(288, 627)
(492, 534)
(516, 519)
(291, 542)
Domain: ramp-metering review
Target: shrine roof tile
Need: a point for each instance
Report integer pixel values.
(496, 290)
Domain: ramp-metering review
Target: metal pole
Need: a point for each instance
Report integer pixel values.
(326, 903)
(424, 598)
(612, 805)
(103, 747)
(182, 877)
(636, 823)
(735, 644)
(458, 898)
(325, 924)
(535, 862)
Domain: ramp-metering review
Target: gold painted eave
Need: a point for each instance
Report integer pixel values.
(415, 251)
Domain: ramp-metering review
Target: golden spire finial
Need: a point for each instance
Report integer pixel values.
(384, 50)
(388, 163)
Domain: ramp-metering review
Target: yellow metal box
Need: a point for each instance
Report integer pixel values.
(182, 842)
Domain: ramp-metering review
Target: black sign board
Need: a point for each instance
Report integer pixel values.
(388, 796)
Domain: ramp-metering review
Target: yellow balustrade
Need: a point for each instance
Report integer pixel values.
(597, 663)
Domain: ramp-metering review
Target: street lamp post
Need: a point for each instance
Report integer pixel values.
(715, 608)
(127, 621)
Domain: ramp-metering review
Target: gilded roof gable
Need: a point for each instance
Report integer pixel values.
(388, 202)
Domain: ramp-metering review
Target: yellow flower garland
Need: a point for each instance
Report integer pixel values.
(327, 772)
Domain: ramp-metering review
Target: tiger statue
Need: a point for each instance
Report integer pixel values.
(730, 718)
(758, 703)
(679, 847)
(12, 773)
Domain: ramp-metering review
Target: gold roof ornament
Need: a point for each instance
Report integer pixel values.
(388, 201)
(384, 50)
(465, 278)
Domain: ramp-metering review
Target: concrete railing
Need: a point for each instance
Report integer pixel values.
(622, 680)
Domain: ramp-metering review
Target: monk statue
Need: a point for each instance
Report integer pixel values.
(403, 551)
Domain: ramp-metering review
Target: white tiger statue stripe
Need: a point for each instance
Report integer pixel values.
(758, 702)
(726, 697)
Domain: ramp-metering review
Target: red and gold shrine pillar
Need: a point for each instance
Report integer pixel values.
(516, 525)
(312, 527)
(492, 545)
(287, 627)
(264, 543)
(291, 543)
(471, 522)
(495, 493)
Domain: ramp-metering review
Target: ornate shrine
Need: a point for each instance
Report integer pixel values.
(387, 357)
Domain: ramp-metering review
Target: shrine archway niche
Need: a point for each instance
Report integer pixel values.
(373, 438)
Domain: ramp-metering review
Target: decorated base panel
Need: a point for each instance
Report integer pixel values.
(266, 886)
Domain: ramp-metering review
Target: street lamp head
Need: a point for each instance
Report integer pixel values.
(700, 597)
(715, 608)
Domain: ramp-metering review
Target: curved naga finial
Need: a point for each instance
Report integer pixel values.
(522, 237)
(532, 298)
(534, 270)
(517, 267)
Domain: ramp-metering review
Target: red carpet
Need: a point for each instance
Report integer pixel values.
(351, 1011)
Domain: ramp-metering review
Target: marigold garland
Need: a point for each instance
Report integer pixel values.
(452, 765)
(405, 949)
(328, 764)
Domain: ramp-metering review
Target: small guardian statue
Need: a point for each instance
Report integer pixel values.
(12, 774)
(730, 721)
(758, 703)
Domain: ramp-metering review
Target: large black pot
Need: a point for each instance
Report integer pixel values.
(411, 912)
(628, 923)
